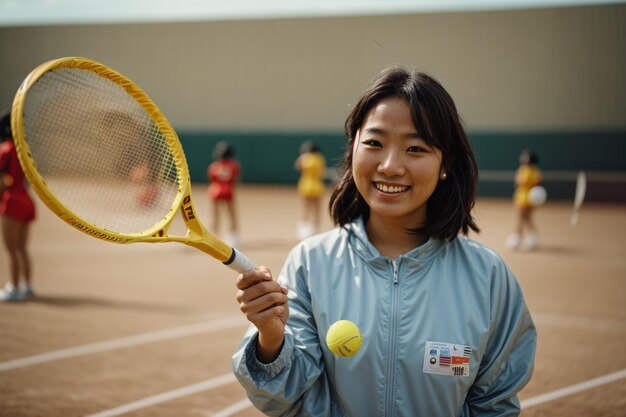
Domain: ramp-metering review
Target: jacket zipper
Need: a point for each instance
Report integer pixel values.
(391, 386)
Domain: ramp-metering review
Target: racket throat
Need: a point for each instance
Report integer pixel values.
(221, 254)
(197, 235)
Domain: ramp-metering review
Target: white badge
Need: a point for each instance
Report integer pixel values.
(447, 359)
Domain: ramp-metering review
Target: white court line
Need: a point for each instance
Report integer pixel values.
(579, 322)
(167, 396)
(573, 389)
(140, 339)
(236, 321)
(233, 409)
(530, 402)
(242, 405)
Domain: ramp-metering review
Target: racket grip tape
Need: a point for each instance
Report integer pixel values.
(239, 262)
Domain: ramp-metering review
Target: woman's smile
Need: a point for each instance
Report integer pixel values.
(391, 188)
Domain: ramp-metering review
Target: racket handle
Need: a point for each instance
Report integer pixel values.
(239, 262)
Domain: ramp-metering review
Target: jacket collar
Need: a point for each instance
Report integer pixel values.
(358, 239)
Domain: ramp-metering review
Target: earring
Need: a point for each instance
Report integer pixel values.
(443, 176)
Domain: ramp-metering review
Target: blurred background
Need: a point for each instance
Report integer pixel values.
(548, 75)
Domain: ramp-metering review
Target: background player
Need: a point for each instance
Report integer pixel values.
(222, 175)
(527, 176)
(312, 167)
(17, 211)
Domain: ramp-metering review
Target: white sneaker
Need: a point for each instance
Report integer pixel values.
(513, 241)
(531, 242)
(10, 294)
(27, 292)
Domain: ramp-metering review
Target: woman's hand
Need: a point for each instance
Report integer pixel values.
(265, 304)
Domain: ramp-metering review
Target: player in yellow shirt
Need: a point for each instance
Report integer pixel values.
(527, 176)
(312, 167)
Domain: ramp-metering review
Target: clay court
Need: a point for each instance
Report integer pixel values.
(148, 330)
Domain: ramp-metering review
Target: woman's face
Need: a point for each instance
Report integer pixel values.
(394, 169)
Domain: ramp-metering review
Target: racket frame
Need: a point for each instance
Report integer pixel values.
(197, 235)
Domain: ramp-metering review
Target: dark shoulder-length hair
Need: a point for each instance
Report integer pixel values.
(435, 116)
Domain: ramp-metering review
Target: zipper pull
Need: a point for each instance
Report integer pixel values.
(395, 271)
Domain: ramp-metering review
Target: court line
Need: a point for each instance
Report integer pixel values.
(579, 322)
(231, 322)
(168, 395)
(573, 389)
(530, 402)
(233, 409)
(139, 339)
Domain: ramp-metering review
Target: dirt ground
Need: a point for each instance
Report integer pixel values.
(152, 327)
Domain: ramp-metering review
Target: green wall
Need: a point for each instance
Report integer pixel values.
(268, 157)
(264, 157)
(602, 155)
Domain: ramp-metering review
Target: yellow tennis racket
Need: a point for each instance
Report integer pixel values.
(103, 157)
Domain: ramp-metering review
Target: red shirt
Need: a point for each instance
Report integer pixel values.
(14, 201)
(222, 174)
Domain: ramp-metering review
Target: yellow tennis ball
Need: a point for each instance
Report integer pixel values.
(344, 338)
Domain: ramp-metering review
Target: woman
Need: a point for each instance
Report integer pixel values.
(445, 327)
(17, 212)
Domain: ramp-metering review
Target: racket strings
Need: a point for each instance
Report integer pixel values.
(99, 151)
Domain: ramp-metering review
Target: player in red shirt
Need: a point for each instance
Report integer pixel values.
(17, 211)
(223, 174)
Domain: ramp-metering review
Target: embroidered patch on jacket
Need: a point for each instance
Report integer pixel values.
(447, 359)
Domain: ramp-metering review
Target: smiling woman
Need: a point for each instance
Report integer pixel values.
(433, 149)
(395, 171)
(445, 328)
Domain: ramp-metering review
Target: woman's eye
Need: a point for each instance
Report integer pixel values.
(372, 142)
(415, 149)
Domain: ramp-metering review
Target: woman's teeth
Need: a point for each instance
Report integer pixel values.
(391, 188)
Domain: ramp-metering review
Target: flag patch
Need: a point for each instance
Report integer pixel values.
(447, 359)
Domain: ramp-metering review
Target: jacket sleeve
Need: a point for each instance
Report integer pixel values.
(295, 380)
(508, 362)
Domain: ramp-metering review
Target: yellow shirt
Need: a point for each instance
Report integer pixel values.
(312, 167)
(526, 177)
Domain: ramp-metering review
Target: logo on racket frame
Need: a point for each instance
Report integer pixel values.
(188, 208)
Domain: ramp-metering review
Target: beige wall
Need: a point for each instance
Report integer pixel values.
(545, 69)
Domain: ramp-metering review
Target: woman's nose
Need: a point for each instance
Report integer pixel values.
(392, 164)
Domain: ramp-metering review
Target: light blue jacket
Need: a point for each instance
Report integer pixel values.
(446, 332)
